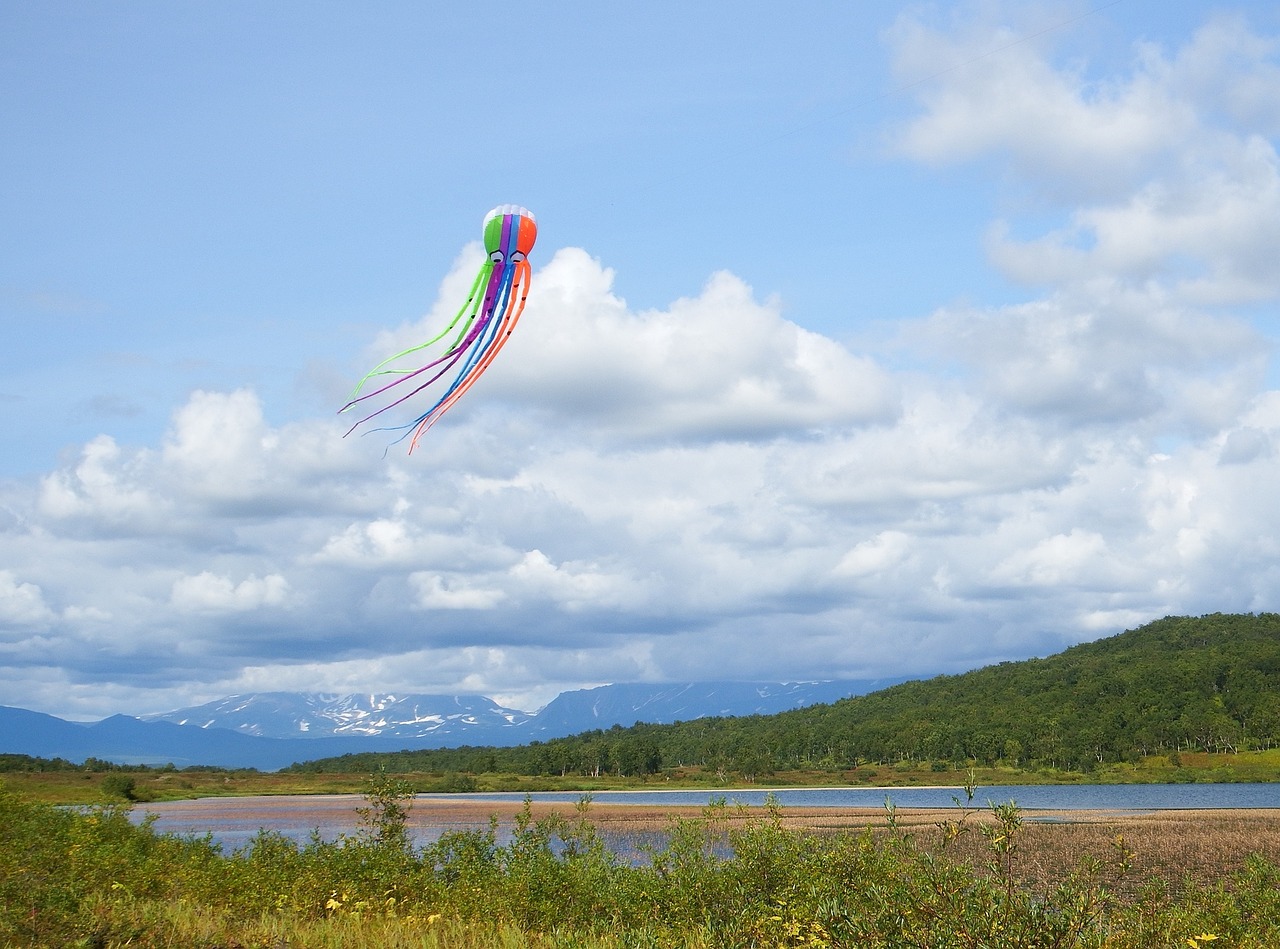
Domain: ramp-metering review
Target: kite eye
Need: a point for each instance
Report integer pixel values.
(517, 257)
(496, 256)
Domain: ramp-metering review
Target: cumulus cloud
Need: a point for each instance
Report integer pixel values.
(21, 604)
(708, 489)
(1168, 173)
(718, 365)
(437, 593)
(1167, 186)
(1105, 356)
(1001, 93)
(208, 592)
(102, 486)
(1204, 231)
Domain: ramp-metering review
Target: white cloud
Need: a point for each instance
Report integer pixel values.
(219, 440)
(883, 552)
(102, 486)
(1205, 232)
(1000, 93)
(1063, 560)
(209, 592)
(21, 604)
(718, 365)
(574, 585)
(1105, 355)
(1167, 173)
(437, 593)
(381, 541)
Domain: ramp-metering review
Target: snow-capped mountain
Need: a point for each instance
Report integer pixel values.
(475, 719)
(321, 715)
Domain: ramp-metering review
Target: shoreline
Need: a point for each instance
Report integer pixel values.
(754, 789)
(462, 811)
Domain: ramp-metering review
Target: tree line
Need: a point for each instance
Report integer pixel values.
(1208, 683)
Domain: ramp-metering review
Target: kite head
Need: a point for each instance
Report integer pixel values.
(509, 233)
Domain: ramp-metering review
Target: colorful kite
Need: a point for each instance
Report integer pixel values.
(491, 314)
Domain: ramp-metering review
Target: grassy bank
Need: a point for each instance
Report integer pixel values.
(725, 878)
(84, 786)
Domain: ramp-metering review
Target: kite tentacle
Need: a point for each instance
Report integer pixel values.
(379, 371)
(407, 395)
(504, 330)
(460, 345)
(491, 315)
(452, 356)
(492, 323)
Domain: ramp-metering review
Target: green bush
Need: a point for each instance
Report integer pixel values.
(121, 786)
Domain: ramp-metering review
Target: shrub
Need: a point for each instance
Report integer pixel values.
(118, 785)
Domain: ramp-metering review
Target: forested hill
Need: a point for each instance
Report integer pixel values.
(1209, 683)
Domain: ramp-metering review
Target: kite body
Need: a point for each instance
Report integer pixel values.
(473, 337)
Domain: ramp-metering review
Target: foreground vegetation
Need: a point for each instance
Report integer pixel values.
(726, 879)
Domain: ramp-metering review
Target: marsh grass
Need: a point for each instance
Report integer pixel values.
(1180, 846)
(725, 877)
(1183, 848)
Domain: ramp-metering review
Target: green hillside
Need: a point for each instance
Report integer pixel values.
(1178, 685)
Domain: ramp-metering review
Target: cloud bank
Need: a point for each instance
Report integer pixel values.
(710, 490)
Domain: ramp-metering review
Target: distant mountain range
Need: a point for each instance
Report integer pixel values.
(269, 730)
(317, 715)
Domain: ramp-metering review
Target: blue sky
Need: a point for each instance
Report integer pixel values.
(865, 339)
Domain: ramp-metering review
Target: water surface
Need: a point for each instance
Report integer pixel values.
(1121, 797)
(233, 821)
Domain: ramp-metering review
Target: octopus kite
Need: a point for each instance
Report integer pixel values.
(491, 312)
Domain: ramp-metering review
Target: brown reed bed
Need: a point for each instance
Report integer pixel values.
(1177, 847)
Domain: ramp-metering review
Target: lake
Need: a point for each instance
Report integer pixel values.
(1060, 797)
(232, 821)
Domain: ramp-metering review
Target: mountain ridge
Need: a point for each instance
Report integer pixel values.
(342, 714)
(271, 730)
(1181, 684)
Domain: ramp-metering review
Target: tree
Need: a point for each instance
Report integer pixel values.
(384, 819)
